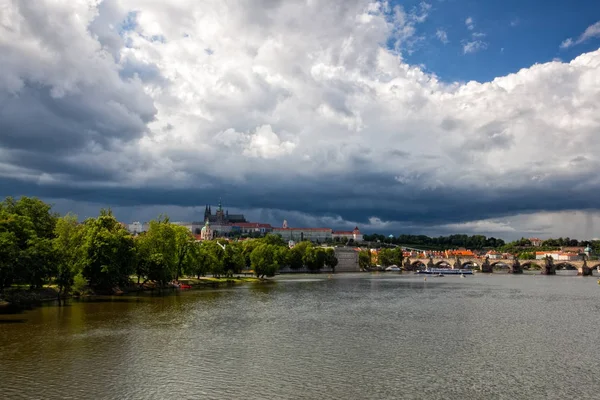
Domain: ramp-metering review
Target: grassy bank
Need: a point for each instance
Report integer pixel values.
(210, 281)
(22, 295)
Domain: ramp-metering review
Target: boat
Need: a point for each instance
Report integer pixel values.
(393, 268)
(445, 271)
(182, 286)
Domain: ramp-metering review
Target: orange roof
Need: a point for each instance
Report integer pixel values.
(461, 252)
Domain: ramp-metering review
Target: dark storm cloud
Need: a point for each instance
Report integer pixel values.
(35, 119)
(352, 200)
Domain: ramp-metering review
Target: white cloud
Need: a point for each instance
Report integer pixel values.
(473, 46)
(284, 96)
(592, 31)
(470, 23)
(442, 35)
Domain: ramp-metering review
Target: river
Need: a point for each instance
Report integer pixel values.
(352, 336)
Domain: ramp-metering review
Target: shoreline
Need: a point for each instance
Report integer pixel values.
(30, 298)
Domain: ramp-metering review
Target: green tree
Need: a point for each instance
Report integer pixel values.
(233, 259)
(527, 256)
(364, 259)
(330, 259)
(385, 257)
(27, 229)
(273, 239)
(68, 244)
(314, 258)
(108, 252)
(264, 260)
(296, 254)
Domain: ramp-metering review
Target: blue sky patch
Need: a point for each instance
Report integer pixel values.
(466, 40)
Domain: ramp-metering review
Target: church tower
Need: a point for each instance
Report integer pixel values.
(220, 214)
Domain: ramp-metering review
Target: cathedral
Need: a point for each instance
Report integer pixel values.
(222, 217)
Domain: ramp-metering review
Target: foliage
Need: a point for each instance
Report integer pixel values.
(364, 259)
(200, 260)
(264, 260)
(108, 252)
(330, 259)
(441, 242)
(26, 234)
(161, 254)
(67, 246)
(527, 256)
(389, 256)
(296, 254)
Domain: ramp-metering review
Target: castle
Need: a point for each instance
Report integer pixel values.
(222, 217)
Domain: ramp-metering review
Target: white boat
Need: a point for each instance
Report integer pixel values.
(393, 268)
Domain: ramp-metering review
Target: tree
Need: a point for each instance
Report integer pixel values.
(183, 244)
(264, 260)
(527, 256)
(67, 244)
(330, 259)
(274, 239)
(233, 259)
(26, 230)
(162, 252)
(364, 259)
(296, 254)
(386, 257)
(201, 260)
(9, 253)
(108, 252)
(314, 258)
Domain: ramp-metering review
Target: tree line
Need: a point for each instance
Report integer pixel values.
(39, 247)
(438, 243)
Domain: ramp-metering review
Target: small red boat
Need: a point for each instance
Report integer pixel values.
(185, 286)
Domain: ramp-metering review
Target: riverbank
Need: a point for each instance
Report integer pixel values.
(21, 296)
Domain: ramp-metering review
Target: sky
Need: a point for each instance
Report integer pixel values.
(433, 117)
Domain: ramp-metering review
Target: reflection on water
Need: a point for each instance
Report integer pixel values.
(375, 336)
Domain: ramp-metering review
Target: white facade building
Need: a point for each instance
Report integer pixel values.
(346, 235)
(135, 228)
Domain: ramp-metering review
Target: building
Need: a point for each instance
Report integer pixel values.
(222, 217)
(251, 227)
(299, 234)
(206, 233)
(493, 255)
(347, 259)
(347, 235)
(535, 242)
(558, 255)
(135, 228)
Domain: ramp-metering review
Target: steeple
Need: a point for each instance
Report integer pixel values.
(220, 206)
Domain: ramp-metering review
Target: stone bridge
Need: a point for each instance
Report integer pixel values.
(548, 265)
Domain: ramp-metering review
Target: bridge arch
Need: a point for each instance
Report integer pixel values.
(470, 264)
(443, 264)
(531, 265)
(565, 265)
(500, 264)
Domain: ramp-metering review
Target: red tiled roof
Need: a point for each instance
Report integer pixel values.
(251, 225)
(343, 233)
(303, 229)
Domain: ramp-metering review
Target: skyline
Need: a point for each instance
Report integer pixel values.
(433, 117)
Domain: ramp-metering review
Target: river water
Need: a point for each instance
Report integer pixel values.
(352, 336)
